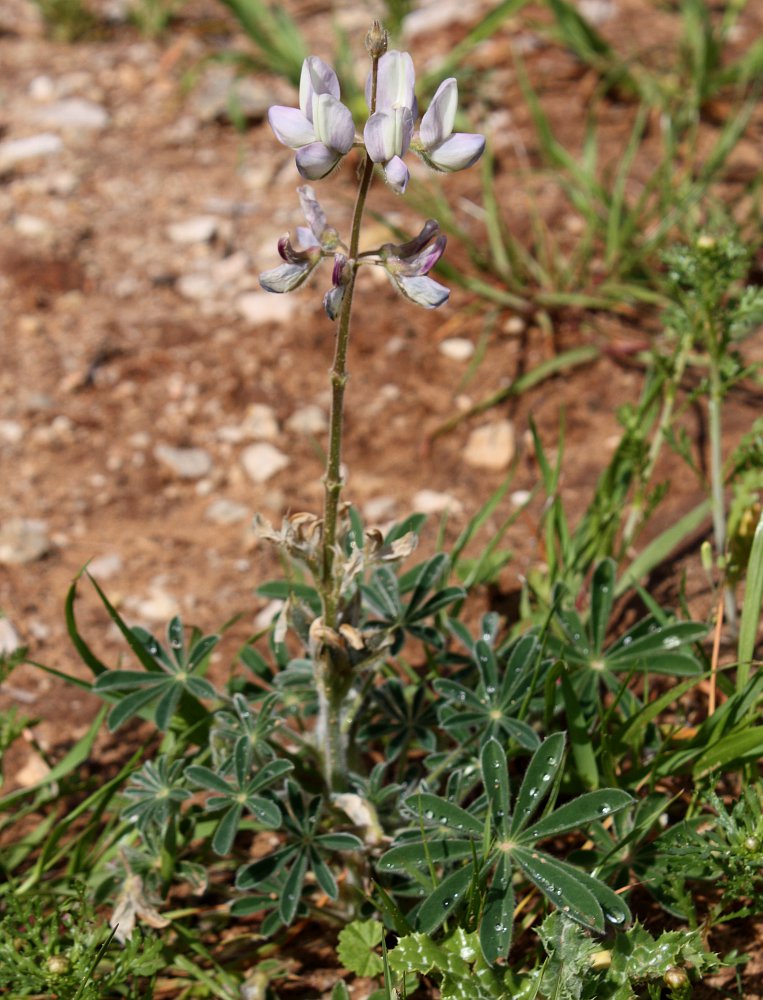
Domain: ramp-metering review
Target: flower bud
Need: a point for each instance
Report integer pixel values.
(58, 965)
(376, 41)
(676, 978)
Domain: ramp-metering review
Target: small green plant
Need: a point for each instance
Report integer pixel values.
(55, 945)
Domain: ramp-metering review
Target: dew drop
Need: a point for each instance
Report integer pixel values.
(606, 810)
(615, 918)
(546, 777)
(533, 793)
(627, 640)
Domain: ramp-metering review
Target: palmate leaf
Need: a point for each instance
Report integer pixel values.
(445, 899)
(357, 944)
(562, 887)
(433, 809)
(497, 919)
(538, 780)
(585, 809)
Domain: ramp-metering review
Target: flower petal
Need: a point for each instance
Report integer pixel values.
(333, 123)
(379, 137)
(332, 301)
(396, 174)
(285, 278)
(316, 161)
(290, 126)
(424, 260)
(292, 255)
(317, 77)
(456, 153)
(312, 211)
(437, 123)
(395, 82)
(423, 291)
(429, 230)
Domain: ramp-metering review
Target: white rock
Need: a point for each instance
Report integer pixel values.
(307, 420)
(31, 225)
(598, 12)
(42, 88)
(72, 113)
(491, 446)
(259, 308)
(17, 150)
(222, 511)
(105, 567)
(196, 286)
(200, 229)
(187, 463)
(260, 423)
(520, 497)
(457, 348)
(263, 460)
(23, 541)
(379, 509)
(432, 502)
(11, 431)
(159, 606)
(9, 637)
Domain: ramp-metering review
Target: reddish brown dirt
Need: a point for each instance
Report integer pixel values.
(104, 357)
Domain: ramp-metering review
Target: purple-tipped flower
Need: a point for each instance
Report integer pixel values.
(321, 129)
(440, 147)
(332, 300)
(313, 243)
(389, 130)
(408, 264)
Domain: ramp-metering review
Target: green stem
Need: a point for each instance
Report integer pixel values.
(717, 502)
(332, 678)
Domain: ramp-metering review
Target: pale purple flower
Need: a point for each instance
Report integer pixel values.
(313, 243)
(332, 300)
(408, 264)
(389, 130)
(440, 147)
(321, 129)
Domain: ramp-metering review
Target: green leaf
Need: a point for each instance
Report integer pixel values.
(495, 776)
(356, 948)
(431, 572)
(750, 618)
(591, 807)
(445, 899)
(339, 842)
(563, 888)
(580, 740)
(418, 953)
(602, 596)
(538, 779)
(420, 853)
(292, 890)
(734, 749)
(433, 809)
(497, 918)
(226, 830)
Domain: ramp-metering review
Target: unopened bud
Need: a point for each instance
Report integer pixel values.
(676, 978)
(58, 965)
(706, 242)
(376, 41)
(601, 959)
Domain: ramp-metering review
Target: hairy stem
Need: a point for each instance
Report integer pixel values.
(332, 680)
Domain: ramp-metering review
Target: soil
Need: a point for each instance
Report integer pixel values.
(120, 334)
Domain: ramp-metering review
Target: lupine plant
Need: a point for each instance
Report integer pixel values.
(322, 132)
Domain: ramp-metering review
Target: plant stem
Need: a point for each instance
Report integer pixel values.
(332, 679)
(717, 503)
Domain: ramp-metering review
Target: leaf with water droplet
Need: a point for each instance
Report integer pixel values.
(563, 886)
(539, 777)
(442, 809)
(495, 776)
(442, 900)
(585, 809)
(498, 913)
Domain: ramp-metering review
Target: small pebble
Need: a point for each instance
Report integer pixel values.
(433, 502)
(23, 541)
(263, 460)
(222, 511)
(187, 463)
(457, 348)
(491, 446)
(201, 229)
(307, 420)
